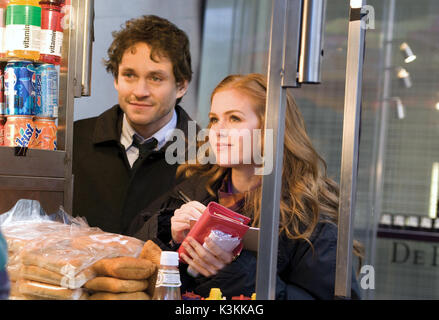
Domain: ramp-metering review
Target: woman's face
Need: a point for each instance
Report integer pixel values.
(234, 128)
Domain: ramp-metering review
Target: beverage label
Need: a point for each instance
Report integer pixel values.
(2, 40)
(2, 132)
(19, 132)
(19, 88)
(22, 37)
(168, 278)
(46, 91)
(45, 135)
(51, 42)
(23, 27)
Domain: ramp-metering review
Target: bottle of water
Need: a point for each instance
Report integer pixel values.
(168, 282)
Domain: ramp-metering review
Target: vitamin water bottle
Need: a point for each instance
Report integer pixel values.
(168, 282)
(23, 29)
(3, 6)
(51, 31)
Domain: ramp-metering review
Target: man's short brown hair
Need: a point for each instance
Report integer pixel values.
(164, 39)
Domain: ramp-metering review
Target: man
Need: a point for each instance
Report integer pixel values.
(119, 164)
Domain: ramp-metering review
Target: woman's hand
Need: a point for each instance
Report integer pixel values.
(207, 261)
(180, 221)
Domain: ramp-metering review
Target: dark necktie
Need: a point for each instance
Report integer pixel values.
(144, 149)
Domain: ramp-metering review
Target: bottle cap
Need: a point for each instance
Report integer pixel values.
(215, 294)
(169, 258)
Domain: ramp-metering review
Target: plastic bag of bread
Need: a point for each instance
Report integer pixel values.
(70, 253)
(29, 288)
(19, 235)
(31, 211)
(27, 221)
(46, 276)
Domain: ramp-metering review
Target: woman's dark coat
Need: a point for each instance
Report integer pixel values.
(301, 272)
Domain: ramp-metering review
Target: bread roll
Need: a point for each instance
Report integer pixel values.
(47, 291)
(46, 276)
(119, 296)
(151, 252)
(127, 268)
(108, 284)
(68, 266)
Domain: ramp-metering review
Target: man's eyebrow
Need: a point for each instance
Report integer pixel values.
(126, 69)
(153, 72)
(158, 72)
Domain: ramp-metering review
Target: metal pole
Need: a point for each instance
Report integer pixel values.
(271, 183)
(282, 73)
(349, 161)
(380, 140)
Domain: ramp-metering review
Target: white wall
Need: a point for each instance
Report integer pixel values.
(109, 16)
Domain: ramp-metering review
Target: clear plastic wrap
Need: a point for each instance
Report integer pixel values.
(223, 240)
(46, 276)
(26, 210)
(70, 253)
(51, 254)
(29, 288)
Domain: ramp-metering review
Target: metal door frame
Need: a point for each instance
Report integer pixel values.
(282, 74)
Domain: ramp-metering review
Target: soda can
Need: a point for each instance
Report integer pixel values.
(2, 131)
(45, 134)
(19, 131)
(19, 82)
(2, 92)
(46, 87)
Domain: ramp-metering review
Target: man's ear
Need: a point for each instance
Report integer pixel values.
(182, 88)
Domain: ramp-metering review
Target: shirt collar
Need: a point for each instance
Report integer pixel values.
(126, 138)
(229, 199)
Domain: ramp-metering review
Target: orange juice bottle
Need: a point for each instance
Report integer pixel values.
(23, 29)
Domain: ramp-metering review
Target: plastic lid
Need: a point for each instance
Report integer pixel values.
(169, 258)
(215, 294)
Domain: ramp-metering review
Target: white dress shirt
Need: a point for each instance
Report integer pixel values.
(126, 138)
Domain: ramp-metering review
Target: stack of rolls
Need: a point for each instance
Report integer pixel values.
(125, 278)
(58, 262)
(19, 236)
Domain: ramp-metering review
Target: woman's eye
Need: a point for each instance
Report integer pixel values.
(128, 75)
(235, 119)
(213, 120)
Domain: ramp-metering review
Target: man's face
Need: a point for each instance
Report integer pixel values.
(147, 89)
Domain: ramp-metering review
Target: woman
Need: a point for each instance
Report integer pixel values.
(308, 207)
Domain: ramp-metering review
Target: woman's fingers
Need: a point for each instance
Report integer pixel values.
(189, 211)
(180, 226)
(197, 262)
(205, 255)
(197, 205)
(181, 220)
(225, 256)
